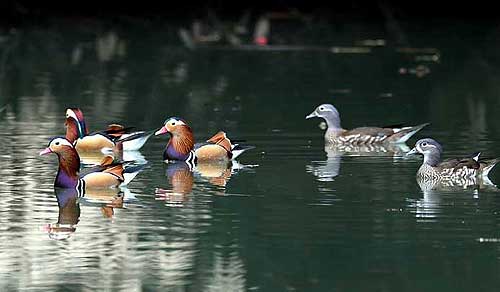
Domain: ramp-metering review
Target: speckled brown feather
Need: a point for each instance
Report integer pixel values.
(368, 131)
(459, 163)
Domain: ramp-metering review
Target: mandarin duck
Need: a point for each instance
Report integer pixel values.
(181, 146)
(335, 134)
(68, 175)
(115, 137)
(453, 170)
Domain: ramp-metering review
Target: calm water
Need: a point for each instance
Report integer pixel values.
(291, 216)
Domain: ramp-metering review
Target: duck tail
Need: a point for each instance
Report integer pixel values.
(134, 141)
(239, 149)
(403, 134)
(487, 165)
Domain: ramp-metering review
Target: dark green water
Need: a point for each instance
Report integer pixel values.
(295, 218)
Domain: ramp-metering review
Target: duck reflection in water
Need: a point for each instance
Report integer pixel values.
(68, 201)
(69, 214)
(328, 169)
(182, 178)
(430, 205)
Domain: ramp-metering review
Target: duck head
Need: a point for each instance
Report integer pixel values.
(181, 138)
(174, 126)
(430, 149)
(69, 162)
(75, 124)
(329, 113)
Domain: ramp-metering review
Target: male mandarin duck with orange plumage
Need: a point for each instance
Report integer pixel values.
(108, 174)
(115, 137)
(182, 147)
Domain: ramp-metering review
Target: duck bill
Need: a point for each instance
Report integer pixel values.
(45, 151)
(412, 152)
(161, 131)
(312, 115)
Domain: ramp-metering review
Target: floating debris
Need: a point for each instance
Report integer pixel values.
(482, 239)
(340, 90)
(350, 50)
(419, 71)
(428, 58)
(406, 50)
(372, 43)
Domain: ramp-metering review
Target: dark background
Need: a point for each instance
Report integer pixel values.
(21, 12)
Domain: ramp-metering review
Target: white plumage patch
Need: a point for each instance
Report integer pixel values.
(60, 141)
(174, 121)
(71, 114)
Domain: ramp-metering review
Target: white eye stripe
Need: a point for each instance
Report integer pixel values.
(175, 122)
(325, 109)
(71, 113)
(60, 141)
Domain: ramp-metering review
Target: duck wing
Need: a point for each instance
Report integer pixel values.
(458, 163)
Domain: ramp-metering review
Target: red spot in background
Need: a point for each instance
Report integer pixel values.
(261, 41)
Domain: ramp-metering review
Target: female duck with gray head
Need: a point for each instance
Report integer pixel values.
(335, 134)
(115, 137)
(433, 168)
(181, 146)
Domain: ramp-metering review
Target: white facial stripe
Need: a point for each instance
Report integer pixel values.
(71, 114)
(177, 122)
(61, 142)
(325, 109)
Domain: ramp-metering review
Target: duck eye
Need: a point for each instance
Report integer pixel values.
(424, 144)
(321, 108)
(173, 123)
(57, 143)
